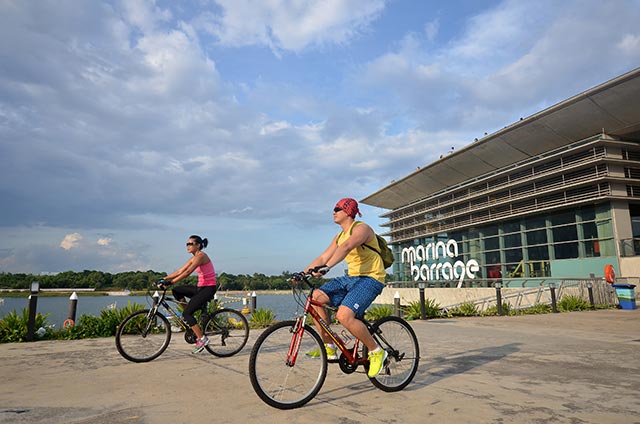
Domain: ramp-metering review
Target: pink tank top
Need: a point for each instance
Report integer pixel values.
(206, 275)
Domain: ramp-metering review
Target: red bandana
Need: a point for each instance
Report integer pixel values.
(350, 206)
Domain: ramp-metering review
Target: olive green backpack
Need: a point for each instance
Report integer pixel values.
(385, 252)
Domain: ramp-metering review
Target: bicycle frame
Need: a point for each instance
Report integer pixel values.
(351, 355)
(165, 300)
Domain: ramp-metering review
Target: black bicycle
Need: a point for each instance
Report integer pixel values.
(144, 335)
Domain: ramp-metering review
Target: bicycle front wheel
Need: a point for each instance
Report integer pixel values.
(141, 337)
(228, 332)
(277, 380)
(397, 337)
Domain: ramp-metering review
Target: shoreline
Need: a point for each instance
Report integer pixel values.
(120, 293)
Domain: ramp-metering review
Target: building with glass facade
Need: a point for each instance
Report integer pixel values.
(556, 194)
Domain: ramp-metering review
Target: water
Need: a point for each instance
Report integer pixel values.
(283, 305)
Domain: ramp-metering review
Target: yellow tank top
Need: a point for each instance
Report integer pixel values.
(362, 260)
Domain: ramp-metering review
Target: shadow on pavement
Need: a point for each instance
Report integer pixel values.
(437, 368)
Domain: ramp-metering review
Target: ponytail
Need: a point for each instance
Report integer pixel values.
(202, 242)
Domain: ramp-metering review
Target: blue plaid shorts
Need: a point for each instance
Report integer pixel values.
(356, 293)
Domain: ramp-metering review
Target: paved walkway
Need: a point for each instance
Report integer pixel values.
(579, 367)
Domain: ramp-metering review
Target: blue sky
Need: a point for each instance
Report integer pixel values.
(126, 126)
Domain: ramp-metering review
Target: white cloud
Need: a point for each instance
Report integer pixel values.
(71, 241)
(274, 127)
(630, 44)
(292, 25)
(130, 111)
(104, 241)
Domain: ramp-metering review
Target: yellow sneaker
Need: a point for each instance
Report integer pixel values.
(376, 361)
(332, 354)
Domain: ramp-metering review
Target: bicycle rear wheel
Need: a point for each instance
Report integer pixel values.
(397, 337)
(228, 332)
(141, 337)
(282, 385)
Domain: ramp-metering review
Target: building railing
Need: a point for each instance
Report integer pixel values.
(593, 156)
(537, 291)
(534, 206)
(563, 185)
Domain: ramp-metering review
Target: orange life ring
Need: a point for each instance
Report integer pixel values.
(610, 274)
(68, 323)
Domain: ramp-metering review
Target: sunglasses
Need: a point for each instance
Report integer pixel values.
(191, 243)
(337, 209)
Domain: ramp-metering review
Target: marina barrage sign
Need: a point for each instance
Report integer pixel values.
(449, 270)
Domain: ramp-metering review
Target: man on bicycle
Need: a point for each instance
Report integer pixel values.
(353, 293)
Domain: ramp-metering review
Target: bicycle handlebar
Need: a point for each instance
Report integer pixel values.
(163, 284)
(299, 278)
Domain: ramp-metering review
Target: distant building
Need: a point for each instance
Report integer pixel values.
(556, 194)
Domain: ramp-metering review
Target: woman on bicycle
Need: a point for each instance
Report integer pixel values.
(199, 295)
(353, 293)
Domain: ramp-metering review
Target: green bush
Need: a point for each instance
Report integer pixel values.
(540, 308)
(412, 310)
(262, 318)
(493, 310)
(13, 327)
(573, 303)
(466, 309)
(376, 312)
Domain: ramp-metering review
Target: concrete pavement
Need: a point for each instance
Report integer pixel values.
(578, 367)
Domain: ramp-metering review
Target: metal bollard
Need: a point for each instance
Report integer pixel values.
(423, 308)
(396, 304)
(498, 286)
(554, 306)
(254, 301)
(590, 290)
(73, 307)
(33, 306)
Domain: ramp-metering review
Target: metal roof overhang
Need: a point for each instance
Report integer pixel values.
(612, 107)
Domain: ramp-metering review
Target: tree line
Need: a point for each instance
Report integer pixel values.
(139, 280)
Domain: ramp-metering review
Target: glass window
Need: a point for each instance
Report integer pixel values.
(592, 248)
(605, 229)
(536, 237)
(510, 227)
(492, 257)
(513, 240)
(607, 247)
(566, 250)
(491, 243)
(563, 218)
(538, 253)
(535, 222)
(513, 255)
(566, 233)
(491, 230)
(588, 213)
(590, 230)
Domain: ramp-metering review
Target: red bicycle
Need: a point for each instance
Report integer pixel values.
(285, 378)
